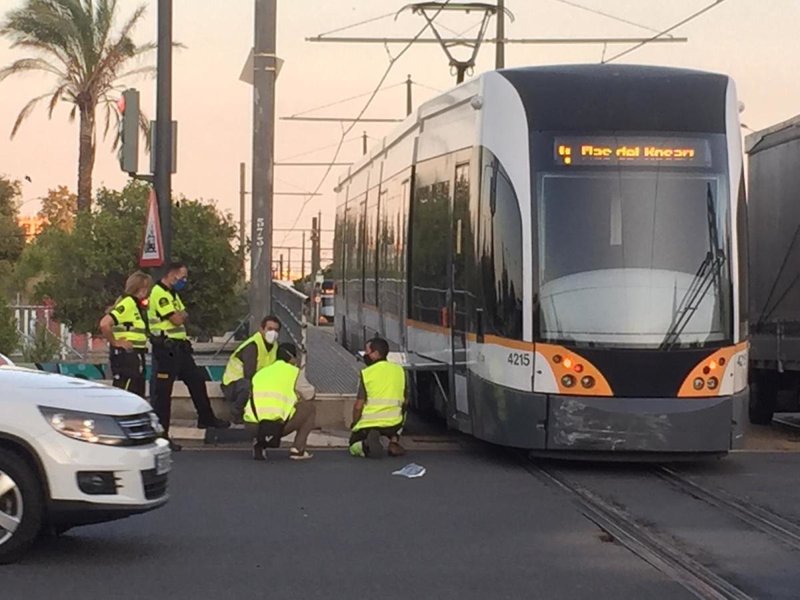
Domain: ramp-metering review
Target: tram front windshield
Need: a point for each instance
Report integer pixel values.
(634, 253)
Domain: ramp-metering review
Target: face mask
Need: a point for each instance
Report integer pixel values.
(368, 360)
(179, 285)
(271, 336)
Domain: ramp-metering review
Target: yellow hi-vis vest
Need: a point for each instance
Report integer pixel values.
(273, 396)
(385, 384)
(129, 324)
(164, 302)
(234, 370)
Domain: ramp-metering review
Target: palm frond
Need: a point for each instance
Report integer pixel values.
(73, 113)
(57, 95)
(149, 71)
(25, 112)
(31, 64)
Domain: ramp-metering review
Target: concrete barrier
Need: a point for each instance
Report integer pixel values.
(334, 411)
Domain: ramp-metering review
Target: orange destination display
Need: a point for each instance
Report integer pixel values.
(632, 151)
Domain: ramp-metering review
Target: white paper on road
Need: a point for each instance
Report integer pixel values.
(411, 471)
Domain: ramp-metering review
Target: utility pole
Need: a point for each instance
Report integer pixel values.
(409, 96)
(242, 194)
(315, 243)
(500, 57)
(303, 258)
(289, 265)
(280, 268)
(163, 163)
(264, 73)
(364, 144)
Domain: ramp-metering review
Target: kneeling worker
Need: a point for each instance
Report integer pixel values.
(274, 406)
(258, 351)
(380, 405)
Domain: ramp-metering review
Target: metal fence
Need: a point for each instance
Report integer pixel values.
(292, 308)
(33, 318)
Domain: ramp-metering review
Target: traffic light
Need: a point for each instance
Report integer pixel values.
(128, 107)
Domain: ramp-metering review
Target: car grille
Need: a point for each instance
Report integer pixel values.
(155, 486)
(138, 428)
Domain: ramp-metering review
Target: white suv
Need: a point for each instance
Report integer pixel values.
(73, 452)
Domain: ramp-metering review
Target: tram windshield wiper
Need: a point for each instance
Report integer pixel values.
(707, 274)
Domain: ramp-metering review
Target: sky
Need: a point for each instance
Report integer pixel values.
(754, 41)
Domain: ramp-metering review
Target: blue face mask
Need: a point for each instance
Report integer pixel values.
(179, 285)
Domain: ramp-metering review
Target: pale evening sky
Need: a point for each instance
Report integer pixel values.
(755, 41)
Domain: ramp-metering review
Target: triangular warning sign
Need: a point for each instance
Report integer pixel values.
(152, 245)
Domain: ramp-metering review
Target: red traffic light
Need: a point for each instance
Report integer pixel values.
(121, 104)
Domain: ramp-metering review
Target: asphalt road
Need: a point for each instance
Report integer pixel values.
(476, 526)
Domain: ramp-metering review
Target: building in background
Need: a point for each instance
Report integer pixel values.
(32, 225)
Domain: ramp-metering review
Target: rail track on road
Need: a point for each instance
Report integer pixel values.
(652, 547)
(758, 517)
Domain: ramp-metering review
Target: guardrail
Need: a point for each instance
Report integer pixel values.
(292, 307)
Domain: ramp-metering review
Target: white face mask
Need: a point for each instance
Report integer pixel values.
(271, 336)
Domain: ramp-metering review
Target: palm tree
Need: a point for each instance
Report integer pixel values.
(74, 42)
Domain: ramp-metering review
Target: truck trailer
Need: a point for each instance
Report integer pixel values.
(774, 274)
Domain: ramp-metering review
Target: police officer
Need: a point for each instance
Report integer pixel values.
(380, 404)
(274, 410)
(125, 329)
(256, 352)
(172, 352)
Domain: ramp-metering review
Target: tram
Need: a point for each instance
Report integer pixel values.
(557, 255)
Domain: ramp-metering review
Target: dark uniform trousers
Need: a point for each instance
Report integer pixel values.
(127, 369)
(173, 359)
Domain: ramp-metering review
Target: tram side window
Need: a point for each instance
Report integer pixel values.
(500, 251)
(429, 251)
(390, 248)
(370, 248)
(340, 247)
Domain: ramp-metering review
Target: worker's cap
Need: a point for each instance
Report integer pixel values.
(287, 352)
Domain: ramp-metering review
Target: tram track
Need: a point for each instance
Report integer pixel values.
(762, 519)
(650, 546)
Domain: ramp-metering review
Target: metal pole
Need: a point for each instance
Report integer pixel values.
(314, 251)
(264, 65)
(289, 265)
(409, 96)
(364, 143)
(242, 194)
(280, 272)
(163, 173)
(500, 58)
(303, 259)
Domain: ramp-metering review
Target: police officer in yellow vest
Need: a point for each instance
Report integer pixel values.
(380, 405)
(274, 411)
(125, 329)
(172, 352)
(256, 352)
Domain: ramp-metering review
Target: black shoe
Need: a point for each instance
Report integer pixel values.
(372, 445)
(175, 446)
(215, 424)
(259, 452)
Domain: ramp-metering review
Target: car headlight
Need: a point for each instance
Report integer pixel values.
(84, 426)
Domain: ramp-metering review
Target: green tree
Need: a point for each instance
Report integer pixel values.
(12, 236)
(84, 271)
(59, 208)
(9, 336)
(74, 42)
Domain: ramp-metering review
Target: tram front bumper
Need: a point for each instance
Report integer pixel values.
(680, 425)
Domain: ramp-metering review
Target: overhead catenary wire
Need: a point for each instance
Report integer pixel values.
(359, 24)
(344, 100)
(607, 15)
(346, 131)
(661, 34)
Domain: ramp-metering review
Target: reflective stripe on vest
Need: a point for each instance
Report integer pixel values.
(274, 398)
(385, 384)
(129, 324)
(165, 301)
(234, 370)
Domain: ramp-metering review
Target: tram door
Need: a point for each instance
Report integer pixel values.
(459, 298)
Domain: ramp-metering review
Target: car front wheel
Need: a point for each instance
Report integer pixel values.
(21, 506)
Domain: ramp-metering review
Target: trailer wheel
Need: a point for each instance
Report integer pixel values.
(763, 398)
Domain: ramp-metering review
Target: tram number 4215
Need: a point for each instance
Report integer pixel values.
(519, 359)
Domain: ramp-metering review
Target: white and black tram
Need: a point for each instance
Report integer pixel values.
(558, 254)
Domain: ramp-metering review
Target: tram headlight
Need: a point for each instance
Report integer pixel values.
(698, 383)
(587, 381)
(713, 383)
(568, 381)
